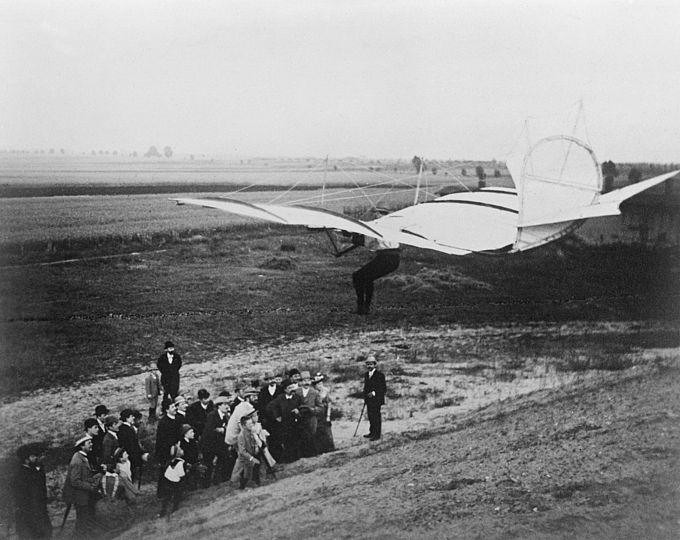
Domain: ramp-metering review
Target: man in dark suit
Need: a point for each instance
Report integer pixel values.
(167, 434)
(30, 494)
(198, 412)
(268, 393)
(374, 397)
(286, 413)
(100, 413)
(169, 364)
(215, 450)
(128, 439)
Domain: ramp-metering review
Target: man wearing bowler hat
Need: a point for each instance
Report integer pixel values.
(374, 397)
(169, 364)
(198, 412)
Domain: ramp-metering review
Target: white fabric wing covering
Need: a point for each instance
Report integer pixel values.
(287, 215)
(559, 177)
(457, 224)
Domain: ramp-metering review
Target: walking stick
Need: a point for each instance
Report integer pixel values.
(360, 417)
(63, 522)
(139, 480)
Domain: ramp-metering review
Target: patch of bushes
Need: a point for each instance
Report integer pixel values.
(278, 263)
(589, 363)
(451, 401)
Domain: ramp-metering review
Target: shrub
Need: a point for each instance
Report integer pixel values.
(278, 263)
(448, 401)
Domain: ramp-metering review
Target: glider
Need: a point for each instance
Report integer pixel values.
(558, 185)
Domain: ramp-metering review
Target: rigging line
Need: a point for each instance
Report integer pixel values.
(342, 191)
(338, 199)
(291, 188)
(363, 192)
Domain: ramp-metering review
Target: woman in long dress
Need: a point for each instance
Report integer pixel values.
(324, 434)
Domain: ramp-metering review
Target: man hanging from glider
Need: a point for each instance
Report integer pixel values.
(386, 260)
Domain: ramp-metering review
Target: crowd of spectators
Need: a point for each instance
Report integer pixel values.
(238, 436)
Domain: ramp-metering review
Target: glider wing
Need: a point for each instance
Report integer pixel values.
(318, 218)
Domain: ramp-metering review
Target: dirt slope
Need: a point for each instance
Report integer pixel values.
(597, 460)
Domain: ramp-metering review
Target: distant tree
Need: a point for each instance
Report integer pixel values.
(418, 163)
(152, 152)
(609, 171)
(62, 151)
(496, 173)
(115, 152)
(463, 172)
(134, 154)
(434, 170)
(634, 175)
(51, 150)
(191, 157)
(167, 152)
(94, 152)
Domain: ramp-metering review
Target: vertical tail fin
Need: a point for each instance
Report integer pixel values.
(557, 174)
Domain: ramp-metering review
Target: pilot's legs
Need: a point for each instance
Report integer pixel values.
(382, 264)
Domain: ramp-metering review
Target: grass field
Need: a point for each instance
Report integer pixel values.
(82, 320)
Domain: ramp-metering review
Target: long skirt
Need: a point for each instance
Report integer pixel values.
(324, 437)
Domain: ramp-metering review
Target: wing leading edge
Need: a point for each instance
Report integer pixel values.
(318, 218)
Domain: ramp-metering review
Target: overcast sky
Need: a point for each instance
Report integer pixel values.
(383, 78)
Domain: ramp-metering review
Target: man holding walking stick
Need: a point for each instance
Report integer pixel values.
(374, 397)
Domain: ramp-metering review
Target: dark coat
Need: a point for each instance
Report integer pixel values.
(167, 434)
(375, 384)
(196, 416)
(283, 408)
(264, 398)
(95, 457)
(30, 503)
(290, 430)
(129, 440)
(170, 372)
(109, 446)
(211, 439)
(190, 449)
(81, 483)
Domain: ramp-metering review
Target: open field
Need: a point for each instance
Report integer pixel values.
(533, 395)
